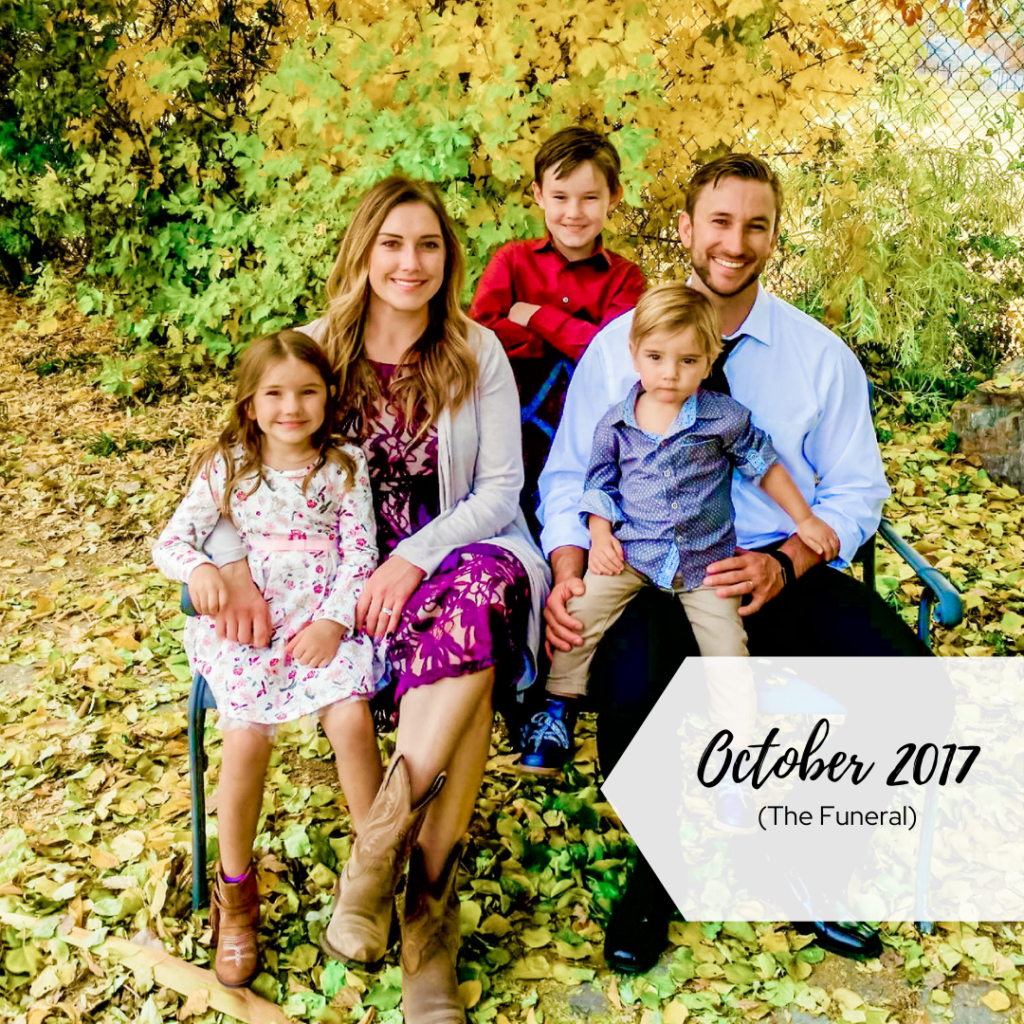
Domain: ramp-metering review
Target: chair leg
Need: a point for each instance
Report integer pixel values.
(924, 857)
(197, 768)
(868, 553)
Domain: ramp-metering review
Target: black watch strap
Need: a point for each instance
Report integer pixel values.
(788, 573)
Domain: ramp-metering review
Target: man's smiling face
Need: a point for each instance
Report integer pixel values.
(731, 235)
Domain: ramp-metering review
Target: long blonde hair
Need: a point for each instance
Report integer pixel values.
(441, 367)
(243, 432)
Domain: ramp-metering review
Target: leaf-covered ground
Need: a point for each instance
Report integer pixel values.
(93, 758)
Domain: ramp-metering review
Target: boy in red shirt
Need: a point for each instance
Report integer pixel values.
(546, 298)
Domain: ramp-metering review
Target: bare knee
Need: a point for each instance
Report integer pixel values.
(348, 724)
(246, 745)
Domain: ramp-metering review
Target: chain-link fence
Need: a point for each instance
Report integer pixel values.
(951, 78)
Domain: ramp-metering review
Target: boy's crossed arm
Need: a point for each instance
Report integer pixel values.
(526, 328)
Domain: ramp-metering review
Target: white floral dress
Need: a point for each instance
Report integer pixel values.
(309, 554)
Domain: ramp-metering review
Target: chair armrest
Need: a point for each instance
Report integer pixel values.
(949, 609)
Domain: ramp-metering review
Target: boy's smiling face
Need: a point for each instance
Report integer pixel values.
(575, 207)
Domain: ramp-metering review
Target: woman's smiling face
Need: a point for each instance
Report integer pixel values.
(407, 260)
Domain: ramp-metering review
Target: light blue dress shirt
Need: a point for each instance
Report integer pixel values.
(804, 388)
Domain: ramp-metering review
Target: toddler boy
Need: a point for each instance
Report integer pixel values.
(659, 508)
(546, 298)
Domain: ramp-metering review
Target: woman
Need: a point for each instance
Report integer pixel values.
(431, 397)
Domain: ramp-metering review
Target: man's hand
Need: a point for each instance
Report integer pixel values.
(521, 312)
(747, 572)
(316, 643)
(206, 589)
(819, 537)
(563, 631)
(245, 617)
(380, 604)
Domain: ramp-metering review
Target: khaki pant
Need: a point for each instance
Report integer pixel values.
(716, 624)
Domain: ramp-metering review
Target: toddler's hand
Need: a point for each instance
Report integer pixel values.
(316, 643)
(819, 537)
(206, 589)
(606, 556)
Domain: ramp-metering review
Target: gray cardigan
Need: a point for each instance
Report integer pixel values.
(480, 475)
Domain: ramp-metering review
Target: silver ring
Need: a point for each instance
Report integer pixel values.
(387, 611)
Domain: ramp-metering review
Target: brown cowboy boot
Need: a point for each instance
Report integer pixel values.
(430, 945)
(235, 919)
(365, 894)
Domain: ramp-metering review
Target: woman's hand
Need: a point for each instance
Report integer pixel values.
(245, 616)
(380, 605)
(206, 590)
(316, 644)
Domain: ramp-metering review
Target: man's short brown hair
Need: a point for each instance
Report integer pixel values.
(571, 147)
(735, 165)
(672, 307)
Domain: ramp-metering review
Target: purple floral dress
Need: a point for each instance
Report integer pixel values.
(472, 613)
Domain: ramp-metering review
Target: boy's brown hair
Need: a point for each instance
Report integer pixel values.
(571, 147)
(735, 165)
(672, 307)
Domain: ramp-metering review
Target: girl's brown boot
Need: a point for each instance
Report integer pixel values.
(235, 919)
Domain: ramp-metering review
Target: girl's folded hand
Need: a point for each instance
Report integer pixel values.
(206, 590)
(316, 644)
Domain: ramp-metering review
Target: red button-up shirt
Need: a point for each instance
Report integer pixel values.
(576, 298)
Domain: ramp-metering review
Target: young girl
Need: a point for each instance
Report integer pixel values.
(302, 507)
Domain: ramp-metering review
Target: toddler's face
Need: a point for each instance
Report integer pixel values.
(575, 207)
(289, 404)
(671, 364)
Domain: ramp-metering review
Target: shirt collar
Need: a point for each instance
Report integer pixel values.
(598, 256)
(758, 322)
(685, 418)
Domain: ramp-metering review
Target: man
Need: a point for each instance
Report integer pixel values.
(807, 390)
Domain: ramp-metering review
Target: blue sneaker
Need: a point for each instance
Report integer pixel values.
(548, 738)
(735, 807)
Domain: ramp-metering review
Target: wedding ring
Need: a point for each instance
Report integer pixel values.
(387, 611)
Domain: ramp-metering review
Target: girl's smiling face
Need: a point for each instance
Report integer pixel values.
(289, 406)
(407, 260)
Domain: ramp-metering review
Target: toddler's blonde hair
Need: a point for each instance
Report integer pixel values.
(672, 307)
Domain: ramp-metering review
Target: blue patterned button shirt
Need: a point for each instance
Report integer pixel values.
(668, 496)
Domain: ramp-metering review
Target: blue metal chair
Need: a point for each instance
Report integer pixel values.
(939, 601)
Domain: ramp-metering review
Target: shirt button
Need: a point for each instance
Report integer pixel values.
(565, 298)
(675, 504)
(668, 472)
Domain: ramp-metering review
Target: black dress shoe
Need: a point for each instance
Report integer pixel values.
(852, 939)
(637, 932)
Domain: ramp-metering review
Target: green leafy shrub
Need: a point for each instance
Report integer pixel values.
(202, 159)
(915, 252)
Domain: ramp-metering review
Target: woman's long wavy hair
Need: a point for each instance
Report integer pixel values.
(440, 368)
(240, 444)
